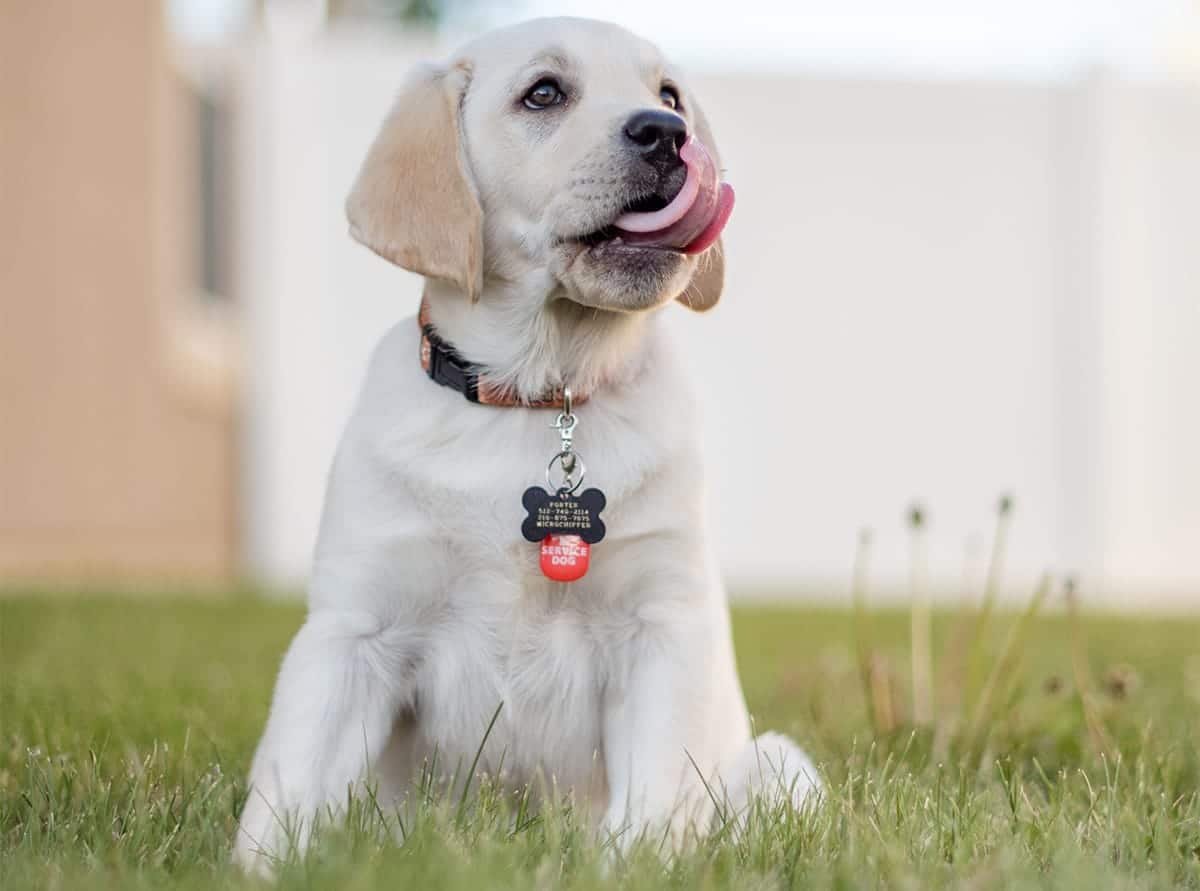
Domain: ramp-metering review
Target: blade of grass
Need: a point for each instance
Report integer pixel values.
(1003, 669)
(462, 801)
(862, 628)
(921, 623)
(1083, 677)
(991, 590)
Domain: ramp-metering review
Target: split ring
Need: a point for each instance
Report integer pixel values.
(569, 483)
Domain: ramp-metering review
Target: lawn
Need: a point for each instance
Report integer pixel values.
(1063, 753)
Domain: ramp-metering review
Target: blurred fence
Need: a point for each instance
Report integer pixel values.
(942, 291)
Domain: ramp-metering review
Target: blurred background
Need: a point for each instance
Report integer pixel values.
(965, 263)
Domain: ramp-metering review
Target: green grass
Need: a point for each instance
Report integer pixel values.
(126, 727)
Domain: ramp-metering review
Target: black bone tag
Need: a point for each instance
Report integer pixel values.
(563, 514)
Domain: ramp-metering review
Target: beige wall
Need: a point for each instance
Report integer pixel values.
(115, 454)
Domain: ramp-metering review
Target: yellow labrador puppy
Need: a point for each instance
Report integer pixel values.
(557, 185)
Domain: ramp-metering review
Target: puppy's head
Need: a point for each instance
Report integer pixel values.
(561, 153)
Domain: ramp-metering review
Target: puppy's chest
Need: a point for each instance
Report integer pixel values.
(483, 537)
(506, 638)
(538, 663)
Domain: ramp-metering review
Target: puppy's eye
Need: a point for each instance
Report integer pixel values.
(544, 94)
(669, 96)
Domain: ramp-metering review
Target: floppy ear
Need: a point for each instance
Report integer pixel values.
(414, 202)
(705, 288)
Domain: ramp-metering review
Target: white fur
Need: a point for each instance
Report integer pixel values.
(428, 610)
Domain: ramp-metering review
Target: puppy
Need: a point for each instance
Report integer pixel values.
(557, 185)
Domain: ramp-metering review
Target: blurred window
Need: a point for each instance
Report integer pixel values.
(208, 21)
(427, 12)
(213, 193)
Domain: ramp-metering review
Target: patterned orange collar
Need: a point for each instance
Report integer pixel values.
(445, 366)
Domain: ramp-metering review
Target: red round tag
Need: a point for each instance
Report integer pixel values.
(564, 557)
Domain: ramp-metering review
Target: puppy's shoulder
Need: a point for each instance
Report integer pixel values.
(394, 365)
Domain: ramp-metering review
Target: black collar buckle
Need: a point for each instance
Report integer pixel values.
(448, 368)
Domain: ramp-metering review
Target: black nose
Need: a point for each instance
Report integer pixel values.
(656, 133)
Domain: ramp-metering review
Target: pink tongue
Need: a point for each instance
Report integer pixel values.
(694, 218)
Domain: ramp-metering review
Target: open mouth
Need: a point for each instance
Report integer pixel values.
(643, 205)
(688, 223)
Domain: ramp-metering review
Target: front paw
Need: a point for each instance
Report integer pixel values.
(265, 838)
(252, 859)
(665, 830)
(617, 832)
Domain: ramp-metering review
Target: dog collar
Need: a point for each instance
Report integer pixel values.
(445, 366)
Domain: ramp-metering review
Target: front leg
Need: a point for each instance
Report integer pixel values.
(656, 713)
(344, 680)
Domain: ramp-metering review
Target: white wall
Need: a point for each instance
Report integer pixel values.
(936, 290)
(1146, 261)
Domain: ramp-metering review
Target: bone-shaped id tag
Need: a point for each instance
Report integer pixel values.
(565, 523)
